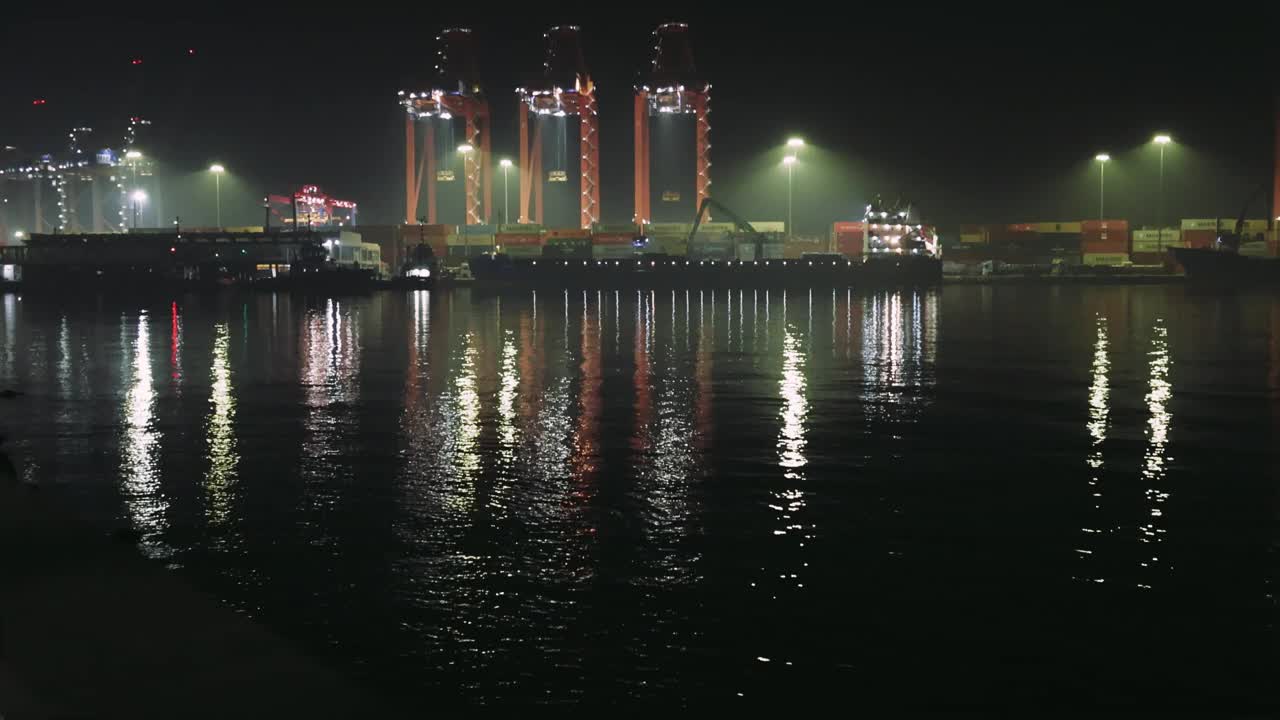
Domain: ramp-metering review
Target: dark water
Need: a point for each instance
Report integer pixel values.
(967, 497)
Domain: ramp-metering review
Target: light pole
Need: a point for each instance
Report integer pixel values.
(1161, 140)
(217, 171)
(790, 162)
(139, 197)
(1102, 159)
(506, 209)
(465, 149)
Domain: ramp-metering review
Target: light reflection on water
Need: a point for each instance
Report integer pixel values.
(140, 447)
(223, 455)
(1099, 412)
(555, 497)
(1156, 460)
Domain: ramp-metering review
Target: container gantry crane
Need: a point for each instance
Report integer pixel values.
(456, 92)
(671, 86)
(565, 89)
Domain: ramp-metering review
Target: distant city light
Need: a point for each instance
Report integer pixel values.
(795, 142)
(1102, 157)
(18, 235)
(215, 168)
(1162, 140)
(505, 162)
(465, 148)
(133, 155)
(139, 196)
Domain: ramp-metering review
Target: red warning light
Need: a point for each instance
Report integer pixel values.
(38, 101)
(173, 249)
(136, 61)
(191, 51)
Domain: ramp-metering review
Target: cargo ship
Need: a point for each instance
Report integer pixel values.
(899, 254)
(1223, 264)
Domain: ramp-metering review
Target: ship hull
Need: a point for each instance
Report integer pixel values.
(1227, 269)
(672, 272)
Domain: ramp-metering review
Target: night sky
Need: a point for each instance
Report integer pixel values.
(976, 117)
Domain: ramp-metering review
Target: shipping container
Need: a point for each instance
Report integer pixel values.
(610, 229)
(1199, 238)
(613, 238)
(671, 246)
(506, 240)
(668, 229)
(768, 225)
(843, 226)
(568, 233)
(973, 238)
(1055, 242)
(469, 239)
(519, 229)
(1022, 228)
(1145, 241)
(1104, 225)
(1097, 259)
(1058, 227)
(1203, 223)
(480, 229)
(1147, 258)
(523, 251)
(850, 244)
(431, 230)
(746, 253)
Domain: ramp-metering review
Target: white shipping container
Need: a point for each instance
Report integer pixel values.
(769, 226)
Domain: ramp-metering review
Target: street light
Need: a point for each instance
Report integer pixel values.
(139, 197)
(1102, 159)
(217, 171)
(506, 209)
(795, 143)
(790, 162)
(18, 235)
(1161, 140)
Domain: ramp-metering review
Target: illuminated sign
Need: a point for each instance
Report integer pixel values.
(557, 176)
(670, 196)
(444, 176)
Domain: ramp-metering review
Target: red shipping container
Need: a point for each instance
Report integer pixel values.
(612, 238)
(1095, 225)
(849, 243)
(847, 227)
(568, 233)
(1021, 228)
(522, 240)
(1199, 238)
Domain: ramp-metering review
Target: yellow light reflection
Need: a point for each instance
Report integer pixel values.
(224, 459)
(1099, 412)
(509, 381)
(1159, 392)
(795, 407)
(139, 466)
